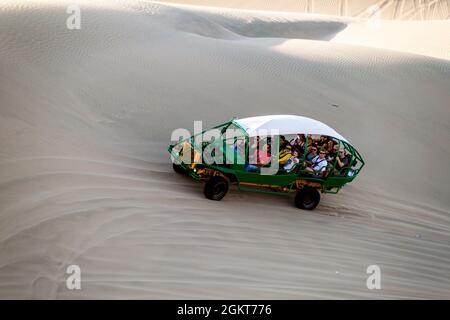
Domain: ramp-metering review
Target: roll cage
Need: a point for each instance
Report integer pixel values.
(331, 181)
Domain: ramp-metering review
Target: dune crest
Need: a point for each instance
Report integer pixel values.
(387, 10)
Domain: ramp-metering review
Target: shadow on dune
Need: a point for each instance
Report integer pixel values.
(233, 27)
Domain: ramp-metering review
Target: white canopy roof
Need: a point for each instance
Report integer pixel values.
(286, 124)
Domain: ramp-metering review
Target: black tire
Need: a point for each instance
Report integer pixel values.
(307, 199)
(178, 169)
(216, 188)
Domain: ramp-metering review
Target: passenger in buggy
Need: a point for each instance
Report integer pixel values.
(292, 161)
(318, 163)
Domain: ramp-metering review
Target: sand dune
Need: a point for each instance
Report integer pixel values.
(85, 178)
(423, 37)
(385, 9)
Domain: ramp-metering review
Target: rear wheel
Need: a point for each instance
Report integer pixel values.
(307, 199)
(178, 169)
(216, 188)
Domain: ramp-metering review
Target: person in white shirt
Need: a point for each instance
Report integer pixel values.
(318, 163)
(292, 161)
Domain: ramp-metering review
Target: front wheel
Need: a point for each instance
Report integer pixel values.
(178, 169)
(307, 199)
(216, 188)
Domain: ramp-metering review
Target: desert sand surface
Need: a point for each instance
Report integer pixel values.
(85, 177)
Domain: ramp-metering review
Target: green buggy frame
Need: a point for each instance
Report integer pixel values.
(187, 159)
